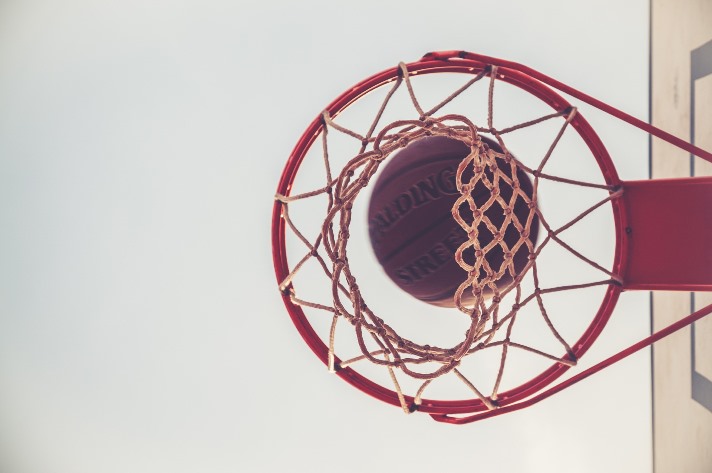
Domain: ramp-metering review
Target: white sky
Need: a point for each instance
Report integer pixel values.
(141, 143)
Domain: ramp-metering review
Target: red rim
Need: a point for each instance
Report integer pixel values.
(467, 63)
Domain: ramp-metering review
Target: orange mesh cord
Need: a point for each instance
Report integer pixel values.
(491, 325)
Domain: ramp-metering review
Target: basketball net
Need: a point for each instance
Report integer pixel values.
(492, 323)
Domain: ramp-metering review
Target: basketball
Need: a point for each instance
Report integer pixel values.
(413, 233)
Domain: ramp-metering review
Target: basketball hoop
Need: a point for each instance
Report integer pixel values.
(495, 295)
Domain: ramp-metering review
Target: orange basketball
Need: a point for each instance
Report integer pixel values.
(411, 227)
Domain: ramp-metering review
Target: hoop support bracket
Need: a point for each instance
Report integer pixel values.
(668, 239)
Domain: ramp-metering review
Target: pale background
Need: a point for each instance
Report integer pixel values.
(140, 325)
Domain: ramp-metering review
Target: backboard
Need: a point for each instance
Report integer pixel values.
(681, 103)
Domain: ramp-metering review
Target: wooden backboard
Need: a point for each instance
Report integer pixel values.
(681, 103)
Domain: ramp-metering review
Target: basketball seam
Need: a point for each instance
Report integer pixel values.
(410, 167)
